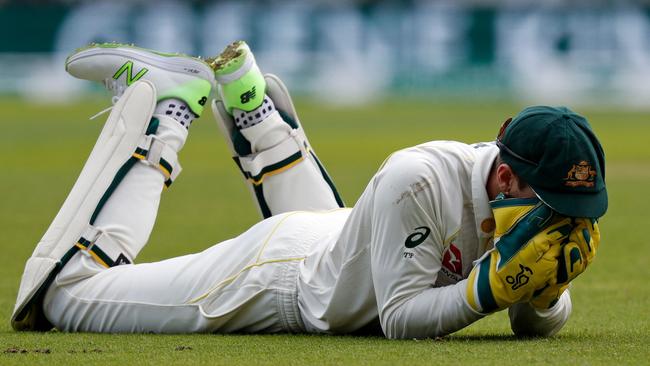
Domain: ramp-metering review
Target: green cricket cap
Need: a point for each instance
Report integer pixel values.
(556, 152)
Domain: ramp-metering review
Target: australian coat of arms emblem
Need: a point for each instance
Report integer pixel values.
(580, 175)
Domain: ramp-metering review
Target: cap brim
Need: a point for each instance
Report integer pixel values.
(592, 205)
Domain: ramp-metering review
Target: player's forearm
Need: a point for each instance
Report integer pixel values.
(432, 313)
(528, 321)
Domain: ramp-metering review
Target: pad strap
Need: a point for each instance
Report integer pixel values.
(155, 152)
(272, 161)
(98, 245)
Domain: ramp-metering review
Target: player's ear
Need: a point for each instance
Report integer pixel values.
(511, 184)
(505, 178)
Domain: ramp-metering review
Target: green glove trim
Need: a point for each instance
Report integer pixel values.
(519, 235)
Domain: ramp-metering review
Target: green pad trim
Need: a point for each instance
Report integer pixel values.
(531, 224)
(121, 173)
(41, 323)
(264, 207)
(240, 144)
(485, 296)
(273, 167)
(291, 122)
(259, 192)
(119, 176)
(97, 251)
(329, 181)
(166, 165)
(510, 202)
(153, 126)
(288, 120)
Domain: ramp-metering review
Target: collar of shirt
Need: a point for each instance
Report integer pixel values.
(486, 153)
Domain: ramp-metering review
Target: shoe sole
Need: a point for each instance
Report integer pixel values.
(177, 63)
(231, 52)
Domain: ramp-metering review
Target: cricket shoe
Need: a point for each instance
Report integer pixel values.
(257, 117)
(117, 66)
(241, 83)
(246, 97)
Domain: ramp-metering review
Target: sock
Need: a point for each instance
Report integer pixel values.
(245, 119)
(176, 109)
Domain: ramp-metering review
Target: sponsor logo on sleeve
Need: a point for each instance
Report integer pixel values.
(452, 263)
(418, 237)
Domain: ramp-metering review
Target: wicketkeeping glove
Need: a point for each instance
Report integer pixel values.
(574, 258)
(525, 256)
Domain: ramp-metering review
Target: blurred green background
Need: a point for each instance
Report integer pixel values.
(43, 147)
(357, 51)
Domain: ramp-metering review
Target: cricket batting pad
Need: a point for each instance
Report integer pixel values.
(128, 137)
(306, 184)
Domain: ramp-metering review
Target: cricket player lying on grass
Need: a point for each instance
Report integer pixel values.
(444, 234)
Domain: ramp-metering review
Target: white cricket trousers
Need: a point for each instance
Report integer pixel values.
(246, 284)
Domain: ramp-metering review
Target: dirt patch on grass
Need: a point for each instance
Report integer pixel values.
(24, 350)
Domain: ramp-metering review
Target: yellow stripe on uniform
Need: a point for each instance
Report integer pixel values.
(164, 170)
(92, 254)
(99, 260)
(273, 172)
(235, 276)
(270, 235)
(259, 263)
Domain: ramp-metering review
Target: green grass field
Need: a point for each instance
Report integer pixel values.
(42, 149)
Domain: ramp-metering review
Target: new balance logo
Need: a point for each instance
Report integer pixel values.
(128, 68)
(247, 96)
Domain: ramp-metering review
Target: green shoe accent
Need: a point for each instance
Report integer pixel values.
(245, 93)
(240, 80)
(195, 93)
(128, 68)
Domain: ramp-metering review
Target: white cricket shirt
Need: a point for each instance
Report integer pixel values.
(401, 257)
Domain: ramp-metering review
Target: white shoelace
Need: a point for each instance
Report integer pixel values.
(117, 88)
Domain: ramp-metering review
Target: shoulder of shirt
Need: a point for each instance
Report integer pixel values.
(433, 151)
(438, 156)
(436, 161)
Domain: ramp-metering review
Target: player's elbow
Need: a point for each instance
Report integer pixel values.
(400, 323)
(393, 326)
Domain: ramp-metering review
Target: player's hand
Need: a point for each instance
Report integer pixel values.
(548, 296)
(574, 258)
(580, 251)
(525, 257)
